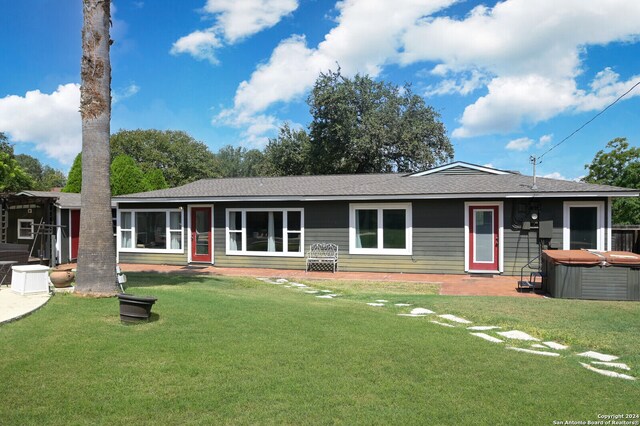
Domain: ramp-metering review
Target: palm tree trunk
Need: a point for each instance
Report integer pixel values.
(96, 251)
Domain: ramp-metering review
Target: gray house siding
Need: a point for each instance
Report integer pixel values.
(438, 236)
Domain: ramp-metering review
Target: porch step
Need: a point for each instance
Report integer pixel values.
(534, 282)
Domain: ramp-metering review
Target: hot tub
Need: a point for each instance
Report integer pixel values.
(594, 275)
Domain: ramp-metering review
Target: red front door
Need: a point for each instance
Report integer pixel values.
(201, 234)
(484, 238)
(75, 233)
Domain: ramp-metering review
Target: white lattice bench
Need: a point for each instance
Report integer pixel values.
(323, 254)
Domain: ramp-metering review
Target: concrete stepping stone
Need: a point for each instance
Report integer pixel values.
(421, 311)
(281, 280)
(403, 304)
(325, 296)
(442, 323)
(268, 281)
(298, 285)
(455, 319)
(620, 365)
(485, 336)
(608, 373)
(554, 345)
(531, 351)
(411, 315)
(311, 291)
(325, 291)
(375, 304)
(599, 356)
(518, 335)
(539, 346)
(483, 327)
(382, 301)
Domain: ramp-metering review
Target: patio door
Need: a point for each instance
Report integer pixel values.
(201, 237)
(484, 238)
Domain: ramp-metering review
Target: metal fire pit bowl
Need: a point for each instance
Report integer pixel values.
(135, 308)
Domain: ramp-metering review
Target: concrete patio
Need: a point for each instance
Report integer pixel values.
(14, 306)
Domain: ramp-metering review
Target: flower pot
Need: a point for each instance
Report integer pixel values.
(61, 278)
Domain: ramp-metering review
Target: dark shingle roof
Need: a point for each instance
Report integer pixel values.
(66, 200)
(374, 185)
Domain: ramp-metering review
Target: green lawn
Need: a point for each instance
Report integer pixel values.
(237, 351)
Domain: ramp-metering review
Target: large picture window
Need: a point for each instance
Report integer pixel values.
(583, 225)
(380, 229)
(265, 232)
(151, 230)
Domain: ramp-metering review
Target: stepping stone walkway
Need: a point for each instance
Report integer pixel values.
(483, 327)
(619, 365)
(518, 335)
(421, 311)
(557, 346)
(455, 319)
(599, 356)
(529, 351)
(602, 359)
(442, 323)
(485, 336)
(607, 372)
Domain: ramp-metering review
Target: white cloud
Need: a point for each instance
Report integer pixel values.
(520, 144)
(50, 121)
(555, 175)
(124, 93)
(544, 140)
(199, 44)
(240, 19)
(512, 101)
(606, 87)
(366, 37)
(532, 50)
(526, 54)
(464, 85)
(234, 20)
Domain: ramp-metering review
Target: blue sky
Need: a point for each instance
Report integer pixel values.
(509, 79)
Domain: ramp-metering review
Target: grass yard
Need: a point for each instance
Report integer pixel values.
(226, 350)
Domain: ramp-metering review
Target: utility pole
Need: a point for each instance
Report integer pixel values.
(533, 160)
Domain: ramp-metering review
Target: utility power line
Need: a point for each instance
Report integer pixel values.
(537, 160)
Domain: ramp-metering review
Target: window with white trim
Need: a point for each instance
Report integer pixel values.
(265, 232)
(25, 229)
(380, 229)
(583, 225)
(151, 230)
